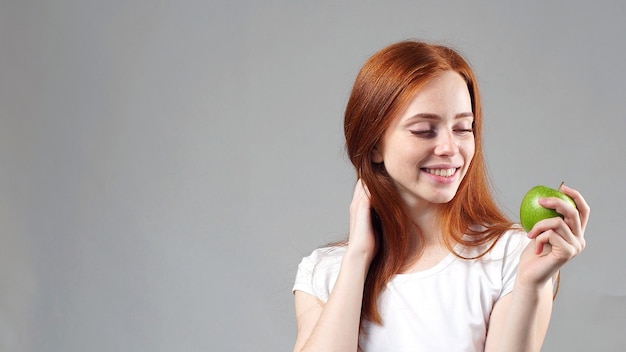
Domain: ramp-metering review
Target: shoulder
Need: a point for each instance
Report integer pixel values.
(329, 253)
(318, 271)
(325, 258)
(507, 251)
(511, 242)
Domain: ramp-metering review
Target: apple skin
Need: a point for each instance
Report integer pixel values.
(531, 212)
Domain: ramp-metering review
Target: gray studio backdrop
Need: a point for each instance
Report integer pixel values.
(164, 165)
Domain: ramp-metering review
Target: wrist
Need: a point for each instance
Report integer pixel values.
(357, 259)
(529, 289)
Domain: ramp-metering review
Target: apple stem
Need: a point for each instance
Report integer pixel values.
(561, 185)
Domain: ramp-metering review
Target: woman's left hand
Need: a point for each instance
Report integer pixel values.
(555, 240)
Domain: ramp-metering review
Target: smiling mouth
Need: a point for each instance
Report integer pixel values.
(442, 172)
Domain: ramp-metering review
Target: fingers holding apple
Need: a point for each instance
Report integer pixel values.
(556, 220)
(542, 202)
(581, 205)
(563, 243)
(532, 211)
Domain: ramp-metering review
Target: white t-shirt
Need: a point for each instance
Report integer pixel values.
(444, 308)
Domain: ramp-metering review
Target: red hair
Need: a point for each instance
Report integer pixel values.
(385, 84)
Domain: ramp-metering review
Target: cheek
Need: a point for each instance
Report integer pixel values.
(471, 146)
(401, 160)
(469, 149)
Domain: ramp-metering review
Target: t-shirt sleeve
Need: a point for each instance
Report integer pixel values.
(318, 272)
(514, 244)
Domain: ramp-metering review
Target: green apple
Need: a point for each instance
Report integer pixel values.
(531, 212)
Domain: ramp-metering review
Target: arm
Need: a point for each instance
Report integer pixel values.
(519, 320)
(334, 326)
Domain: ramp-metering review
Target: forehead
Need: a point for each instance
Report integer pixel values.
(446, 93)
(444, 97)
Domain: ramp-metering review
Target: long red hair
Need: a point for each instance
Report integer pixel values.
(385, 84)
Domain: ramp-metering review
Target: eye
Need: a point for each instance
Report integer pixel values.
(463, 131)
(430, 133)
(423, 129)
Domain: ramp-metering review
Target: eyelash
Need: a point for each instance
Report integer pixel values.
(431, 133)
(466, 130)
(424, 133)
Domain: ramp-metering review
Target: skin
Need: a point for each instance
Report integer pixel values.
(430, 137)
(432, 133)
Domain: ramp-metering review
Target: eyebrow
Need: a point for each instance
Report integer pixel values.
(429, 116)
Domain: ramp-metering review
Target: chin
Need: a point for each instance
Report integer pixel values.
(429, 195)
(443, 198)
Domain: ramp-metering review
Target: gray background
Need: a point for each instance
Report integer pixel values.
(164, 165)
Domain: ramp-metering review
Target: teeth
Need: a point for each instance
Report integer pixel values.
(442, 172)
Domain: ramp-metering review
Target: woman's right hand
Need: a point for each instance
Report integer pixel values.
(361, 239)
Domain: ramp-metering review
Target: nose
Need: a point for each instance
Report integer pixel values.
(446, 144)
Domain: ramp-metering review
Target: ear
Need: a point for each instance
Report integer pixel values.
(377, 155)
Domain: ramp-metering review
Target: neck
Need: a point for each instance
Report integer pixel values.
(426, 220)
(427, 246)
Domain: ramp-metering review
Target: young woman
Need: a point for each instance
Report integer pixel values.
(431, 263)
